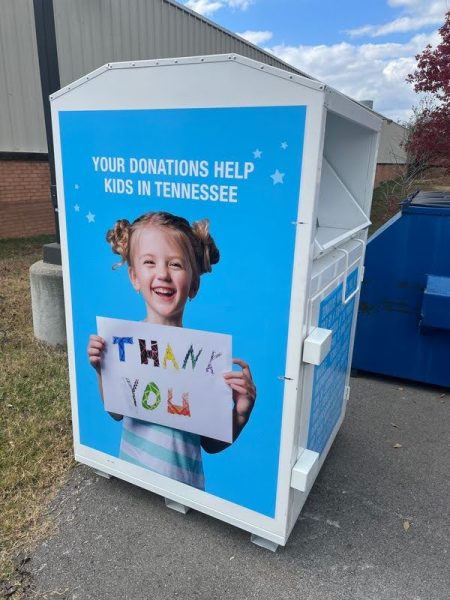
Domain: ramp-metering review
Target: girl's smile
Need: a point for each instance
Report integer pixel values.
(164, 292)
(162, 273)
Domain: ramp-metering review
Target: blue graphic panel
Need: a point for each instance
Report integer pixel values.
(238, 167)
(329, 377)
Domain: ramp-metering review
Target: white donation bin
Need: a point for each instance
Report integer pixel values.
(213, 214)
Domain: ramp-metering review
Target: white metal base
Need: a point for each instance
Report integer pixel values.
(102, 474)
(264, 543)
(181, 508)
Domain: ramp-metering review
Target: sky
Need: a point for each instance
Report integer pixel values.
(363, 49)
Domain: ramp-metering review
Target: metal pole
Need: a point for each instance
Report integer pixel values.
(48, 65)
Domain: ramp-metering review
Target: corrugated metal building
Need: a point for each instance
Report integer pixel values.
(392, 158)
(89, 34)
(86, 35)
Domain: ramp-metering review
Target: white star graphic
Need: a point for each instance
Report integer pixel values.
(90, 217)
(278, 177)
(257, 153)
(284, 145)
(76, 186)
(76, 208)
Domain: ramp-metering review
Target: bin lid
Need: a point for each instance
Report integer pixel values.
(427, 203)
(434, 198)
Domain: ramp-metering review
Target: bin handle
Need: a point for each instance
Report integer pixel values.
(345, 299)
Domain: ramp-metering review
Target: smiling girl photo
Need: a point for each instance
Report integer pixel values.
(166, 257)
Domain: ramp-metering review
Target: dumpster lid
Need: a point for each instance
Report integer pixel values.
(434, 198)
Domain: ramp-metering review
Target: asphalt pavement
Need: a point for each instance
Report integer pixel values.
(376, 525)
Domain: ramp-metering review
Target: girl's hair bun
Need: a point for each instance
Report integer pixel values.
(195, 240)
(209, 253)
(119, 239)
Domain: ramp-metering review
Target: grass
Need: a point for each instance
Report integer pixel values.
(35, 426)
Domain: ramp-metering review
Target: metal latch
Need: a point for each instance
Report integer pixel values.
(305, 470)
(317, 345)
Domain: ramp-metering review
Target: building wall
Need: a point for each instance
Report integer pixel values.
(91, 33)
(25, 204)
(388, 172)
(391, 150)
(21, 116)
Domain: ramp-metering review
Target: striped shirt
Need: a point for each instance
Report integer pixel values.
(165, 450)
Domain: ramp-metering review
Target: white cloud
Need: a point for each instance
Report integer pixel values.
(204, 7)
(374, 70)
(256, 37)
(209, 7)
(241, 4)
(365, 71)
(417, 15)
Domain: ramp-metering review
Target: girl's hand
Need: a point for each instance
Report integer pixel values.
(244, 394)
(95, 349)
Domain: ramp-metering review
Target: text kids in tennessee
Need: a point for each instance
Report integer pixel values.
(166, 257)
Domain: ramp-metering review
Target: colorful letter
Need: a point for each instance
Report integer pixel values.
(209, 368)
(133, 388)
(177, 409)
(194, 359)
(121, 341)
(149, 354)
(169, 355)
(151, 388)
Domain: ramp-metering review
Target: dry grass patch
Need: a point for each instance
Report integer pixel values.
(35, 426)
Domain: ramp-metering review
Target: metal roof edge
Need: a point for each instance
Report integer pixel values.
(210, 58)
(78, 82)
(373, 119)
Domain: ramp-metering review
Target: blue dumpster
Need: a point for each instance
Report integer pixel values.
(403, 325)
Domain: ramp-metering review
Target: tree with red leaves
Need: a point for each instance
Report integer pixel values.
(429, 139)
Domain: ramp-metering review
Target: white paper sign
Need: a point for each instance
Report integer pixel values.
(168, 375)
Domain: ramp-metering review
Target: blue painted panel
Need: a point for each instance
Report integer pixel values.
(435, 313)
(330, 376)
(248, 293)
(398, 258)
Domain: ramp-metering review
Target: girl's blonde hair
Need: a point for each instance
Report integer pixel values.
(195, 240)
